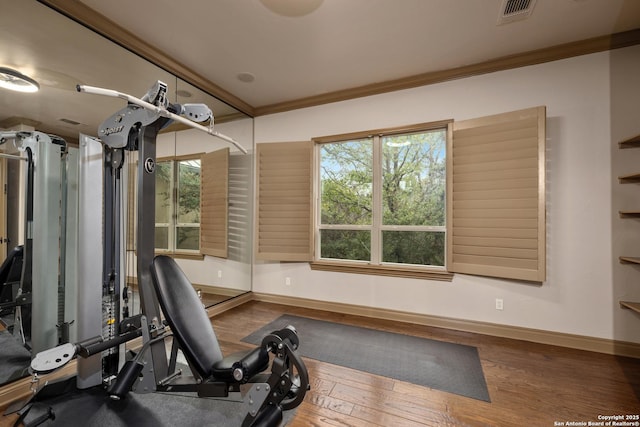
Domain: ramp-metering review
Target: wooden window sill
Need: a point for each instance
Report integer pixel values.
(383, 270)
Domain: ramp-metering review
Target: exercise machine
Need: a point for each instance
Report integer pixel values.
(266, 385)
(239, 376)
(36, 292)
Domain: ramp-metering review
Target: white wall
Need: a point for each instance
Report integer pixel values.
(578, 296)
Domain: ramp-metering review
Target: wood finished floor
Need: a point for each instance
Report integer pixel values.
(529, 384)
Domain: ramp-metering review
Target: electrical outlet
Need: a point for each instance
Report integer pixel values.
(499, 304)
(287, 281)
(219, 274)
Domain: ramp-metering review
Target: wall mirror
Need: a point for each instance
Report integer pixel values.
(59, 54)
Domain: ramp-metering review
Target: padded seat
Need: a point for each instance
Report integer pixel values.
(192, 327)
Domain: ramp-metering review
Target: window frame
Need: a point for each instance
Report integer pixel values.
(496, 173)
(173, 224)
(376, 265)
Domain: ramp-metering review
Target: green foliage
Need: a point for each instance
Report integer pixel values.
(413, 247)
(346, 244)
(413, 194)
(413, 168)
(164, 177)
(189, 191)
(185, 210)
(347, 179)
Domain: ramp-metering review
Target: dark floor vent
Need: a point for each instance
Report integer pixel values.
(513, 10)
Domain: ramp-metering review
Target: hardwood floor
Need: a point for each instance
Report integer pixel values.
(529, 384)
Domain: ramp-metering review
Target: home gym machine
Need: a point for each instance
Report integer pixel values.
(163, 287)
(33, 279)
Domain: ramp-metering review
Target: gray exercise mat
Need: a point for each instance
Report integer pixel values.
(93, 407)
(444, 366)
(14, 358)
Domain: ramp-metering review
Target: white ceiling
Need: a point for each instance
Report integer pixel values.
(344, 44)
(61, 54)
(350, 43)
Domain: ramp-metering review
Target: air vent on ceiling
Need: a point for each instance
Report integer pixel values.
(515, 10)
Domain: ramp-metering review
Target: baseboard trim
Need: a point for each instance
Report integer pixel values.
(218, 290)
(223, 306)
(580, 342)
(211, 289)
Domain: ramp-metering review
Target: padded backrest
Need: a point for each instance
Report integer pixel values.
(185, 314)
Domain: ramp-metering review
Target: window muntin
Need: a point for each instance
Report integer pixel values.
(178, 205)
(382, 199)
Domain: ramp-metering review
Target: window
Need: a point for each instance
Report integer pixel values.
(191, 205)
(382, 199)
(178, 205)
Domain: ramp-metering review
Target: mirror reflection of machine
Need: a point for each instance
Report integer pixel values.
(34, 272)
(100, 62)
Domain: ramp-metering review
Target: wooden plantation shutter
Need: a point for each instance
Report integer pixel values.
(496, 196)
(284, 192)
(214, 188)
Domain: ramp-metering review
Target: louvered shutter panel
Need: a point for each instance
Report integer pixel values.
(284, 205)
(214, 196)
(496, 198)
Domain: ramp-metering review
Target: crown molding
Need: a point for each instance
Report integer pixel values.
(539, 56)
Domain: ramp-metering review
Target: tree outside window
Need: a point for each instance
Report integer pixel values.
(178, 205)
(382, 199)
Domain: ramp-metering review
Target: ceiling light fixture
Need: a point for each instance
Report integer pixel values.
(16, 81)
(246, 77)
(292, 8)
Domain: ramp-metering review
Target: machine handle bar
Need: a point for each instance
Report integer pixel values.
(163, 112)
